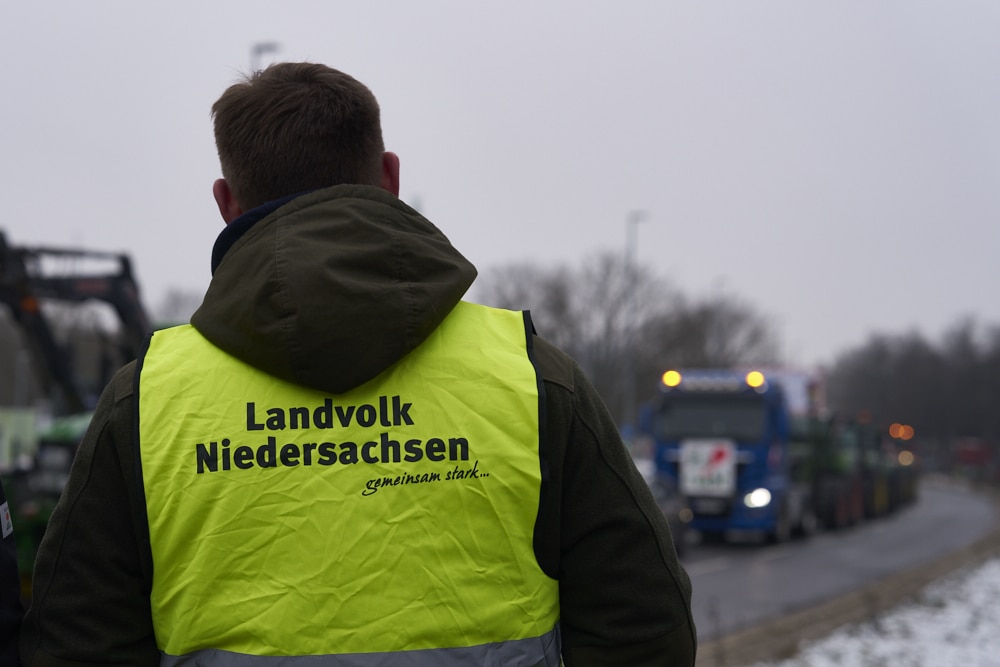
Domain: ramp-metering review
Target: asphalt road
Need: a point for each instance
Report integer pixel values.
(737, 586)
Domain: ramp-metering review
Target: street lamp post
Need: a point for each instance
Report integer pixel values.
(632, 221)
(259, 49)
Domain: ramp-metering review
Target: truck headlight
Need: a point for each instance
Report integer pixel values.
(757, 498)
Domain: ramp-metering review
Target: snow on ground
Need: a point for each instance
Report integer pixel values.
(954, 622)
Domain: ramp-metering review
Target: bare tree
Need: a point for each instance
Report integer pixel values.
(946, 391)
(719, 332)
(546, 292)
(625, 326)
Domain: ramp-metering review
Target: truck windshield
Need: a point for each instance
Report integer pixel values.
(711, 417)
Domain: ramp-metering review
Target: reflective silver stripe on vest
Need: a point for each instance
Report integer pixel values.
(541, 651)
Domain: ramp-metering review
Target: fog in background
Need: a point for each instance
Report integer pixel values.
(836, 165)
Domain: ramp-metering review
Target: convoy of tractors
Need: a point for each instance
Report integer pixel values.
(751, 452)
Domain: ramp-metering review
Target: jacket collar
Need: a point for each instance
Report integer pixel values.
(241, 225)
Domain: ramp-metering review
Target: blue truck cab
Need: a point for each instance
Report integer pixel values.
(722, 437)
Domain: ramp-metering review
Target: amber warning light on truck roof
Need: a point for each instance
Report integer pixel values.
(715, 381)
(755, 379)
(672, 378)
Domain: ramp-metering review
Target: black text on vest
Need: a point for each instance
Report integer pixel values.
(329, 415)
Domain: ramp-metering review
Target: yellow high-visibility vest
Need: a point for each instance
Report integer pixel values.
(286, 521)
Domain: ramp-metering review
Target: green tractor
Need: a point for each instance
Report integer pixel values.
(33, 492)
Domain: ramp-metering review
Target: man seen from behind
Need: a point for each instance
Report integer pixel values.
(342, 462)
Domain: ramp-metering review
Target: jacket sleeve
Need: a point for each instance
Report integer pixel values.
(625, 599)
(11, 610)
(90, 592)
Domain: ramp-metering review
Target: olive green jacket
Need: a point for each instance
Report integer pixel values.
(328, 289)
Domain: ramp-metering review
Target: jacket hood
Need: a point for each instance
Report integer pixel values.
(333, 287)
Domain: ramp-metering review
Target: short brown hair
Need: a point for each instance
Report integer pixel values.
(295, 127)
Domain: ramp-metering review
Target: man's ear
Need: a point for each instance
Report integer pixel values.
(390, 173)
(229, 208)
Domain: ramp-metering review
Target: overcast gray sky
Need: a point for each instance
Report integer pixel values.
(835, 164)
